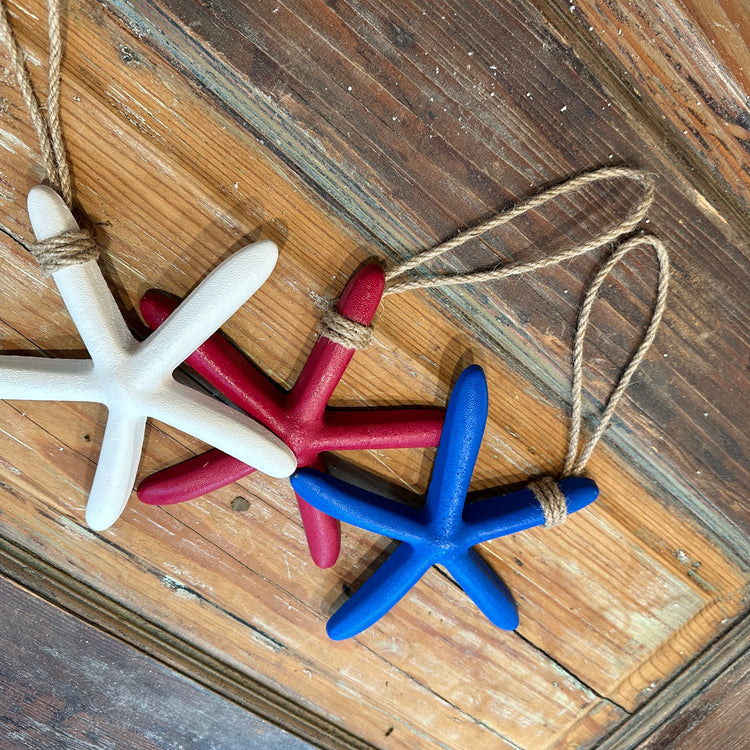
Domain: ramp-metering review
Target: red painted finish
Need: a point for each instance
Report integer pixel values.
(300, 417)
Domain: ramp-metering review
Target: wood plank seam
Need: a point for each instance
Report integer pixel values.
(84, 602)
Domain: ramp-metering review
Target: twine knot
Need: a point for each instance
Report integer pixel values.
(552, 500)
(66, 249)
(339, 329)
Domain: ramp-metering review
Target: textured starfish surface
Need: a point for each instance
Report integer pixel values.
(301, 416)
(134, 379)
(446, 529)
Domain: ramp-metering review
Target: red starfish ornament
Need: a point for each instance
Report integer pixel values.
(300, 417)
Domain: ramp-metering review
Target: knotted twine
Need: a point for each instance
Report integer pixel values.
(545, 489)
(76, 246)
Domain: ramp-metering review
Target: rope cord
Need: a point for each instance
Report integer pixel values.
(545, 489)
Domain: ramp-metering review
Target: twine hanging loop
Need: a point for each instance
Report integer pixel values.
(546, 489)
(69, 248)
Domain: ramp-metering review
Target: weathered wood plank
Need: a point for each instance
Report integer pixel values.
(624, 574)
(693, 712)
(718, 717)
(687, 63)
(66, 684)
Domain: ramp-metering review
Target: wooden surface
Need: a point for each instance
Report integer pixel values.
(718, 717)
(353, 130)
(67, 685)
(707, 706)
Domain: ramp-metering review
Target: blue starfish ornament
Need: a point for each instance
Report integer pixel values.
(446, 530)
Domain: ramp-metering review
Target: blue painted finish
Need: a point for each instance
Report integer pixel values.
(444, 531)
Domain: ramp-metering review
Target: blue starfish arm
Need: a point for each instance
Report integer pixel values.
(515, 511)
(457, 452)
(387, 585)
(357, 506)
(485, 588)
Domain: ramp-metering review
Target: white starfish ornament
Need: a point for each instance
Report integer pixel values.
(134, 379)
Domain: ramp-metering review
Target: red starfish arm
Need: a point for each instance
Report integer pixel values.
(322, 531)
(318, 379)
(328, 360)
(224, 366)
(192, 478)
(385, 428)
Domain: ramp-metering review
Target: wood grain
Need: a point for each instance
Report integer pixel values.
(717, 717)
(706, 706)
(193, 129)
(65, 684)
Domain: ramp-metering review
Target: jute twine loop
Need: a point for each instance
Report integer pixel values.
(49, 128)
(338, 328)
(67, 249)
(546, 490)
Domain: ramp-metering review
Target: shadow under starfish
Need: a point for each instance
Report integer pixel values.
(445, 530)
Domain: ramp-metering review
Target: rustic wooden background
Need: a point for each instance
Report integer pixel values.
(344, 131)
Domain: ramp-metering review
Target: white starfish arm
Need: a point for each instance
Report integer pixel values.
(116, 469)
(82, 286)
(208, 306)
(42, 379)
(225, 428)
(95, 312)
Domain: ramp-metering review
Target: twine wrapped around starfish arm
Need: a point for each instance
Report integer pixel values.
(517, 511)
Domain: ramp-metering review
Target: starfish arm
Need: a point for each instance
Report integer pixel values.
(323, 532)
(95, 313)
(116, 469)
(82, 286)
(515, 511)
(321, 373)
(223, 427)
(43, 379)
(357, 506)
(457, 452)
(385, 588)
(328, 360)
(485, 588)
(363, 429)
(192, 478)
(223, 365)
(208, 306)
